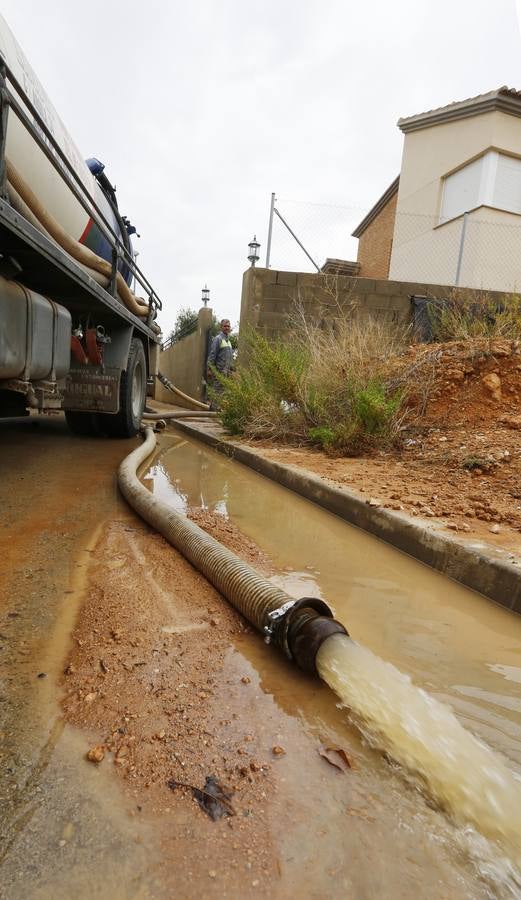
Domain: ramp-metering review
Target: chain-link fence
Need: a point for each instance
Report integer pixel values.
(481, 249)
(476, 250)
(323, 229)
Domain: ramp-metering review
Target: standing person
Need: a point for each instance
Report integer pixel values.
(220, 357)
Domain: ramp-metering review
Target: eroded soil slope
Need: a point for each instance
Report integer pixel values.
(460, 460)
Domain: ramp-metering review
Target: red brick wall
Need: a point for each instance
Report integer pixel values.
(375, 244)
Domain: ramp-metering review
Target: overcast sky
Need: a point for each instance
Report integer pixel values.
(200, 109)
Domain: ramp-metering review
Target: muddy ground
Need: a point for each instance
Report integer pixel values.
(144, 678)
(114, 647)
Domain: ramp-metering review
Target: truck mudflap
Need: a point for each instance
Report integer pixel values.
(92, 389)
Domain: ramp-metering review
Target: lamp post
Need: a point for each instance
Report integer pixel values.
(205, 295)
(253, 247)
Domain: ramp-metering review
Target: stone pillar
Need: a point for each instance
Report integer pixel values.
(204, 324)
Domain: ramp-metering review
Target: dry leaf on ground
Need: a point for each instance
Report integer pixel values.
(337, 757)
(213, 799)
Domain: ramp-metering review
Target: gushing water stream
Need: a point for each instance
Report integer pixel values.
(461, 773)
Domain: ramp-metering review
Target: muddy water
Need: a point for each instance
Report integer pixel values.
(454, 643)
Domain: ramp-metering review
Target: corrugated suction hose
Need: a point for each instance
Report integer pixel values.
(287, 622)
(78, 251)
(175, 390)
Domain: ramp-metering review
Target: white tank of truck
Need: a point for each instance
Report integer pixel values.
(39, 174)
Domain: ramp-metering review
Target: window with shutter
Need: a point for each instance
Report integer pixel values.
(461, 190)
(492, 180)
(507, 189)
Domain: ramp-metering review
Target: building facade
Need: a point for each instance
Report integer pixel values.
(455, 211)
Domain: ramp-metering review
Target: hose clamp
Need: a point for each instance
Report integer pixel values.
(274, 618)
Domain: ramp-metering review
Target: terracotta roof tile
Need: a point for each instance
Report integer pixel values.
(504, 98)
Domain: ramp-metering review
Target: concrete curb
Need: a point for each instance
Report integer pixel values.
(480, 567)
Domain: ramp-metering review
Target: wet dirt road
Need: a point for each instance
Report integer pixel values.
(173, 685)
(55, 490)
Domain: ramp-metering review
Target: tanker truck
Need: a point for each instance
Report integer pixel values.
(74, 334)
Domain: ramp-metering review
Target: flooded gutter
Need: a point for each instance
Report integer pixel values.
(478, 566)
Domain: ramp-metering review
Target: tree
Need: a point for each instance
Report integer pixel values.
(185, 324)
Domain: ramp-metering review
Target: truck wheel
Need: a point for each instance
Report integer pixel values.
(82, 422)
(132, 394)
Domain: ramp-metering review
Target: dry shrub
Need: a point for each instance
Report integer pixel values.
(420, 377)
(350, 397)
(354, 346)
(469, 315)
(331, 382)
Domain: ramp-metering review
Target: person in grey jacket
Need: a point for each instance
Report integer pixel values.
(220, 357)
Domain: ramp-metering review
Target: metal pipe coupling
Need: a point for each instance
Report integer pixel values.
(299, 628)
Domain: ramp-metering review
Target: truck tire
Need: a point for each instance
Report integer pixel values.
(85, 423)
(132, 395)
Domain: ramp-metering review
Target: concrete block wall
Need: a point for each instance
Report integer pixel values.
(184, 363)
(270, 298)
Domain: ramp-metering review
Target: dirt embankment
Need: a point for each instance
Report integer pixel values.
(460, 461)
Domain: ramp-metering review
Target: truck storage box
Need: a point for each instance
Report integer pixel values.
(35, 335)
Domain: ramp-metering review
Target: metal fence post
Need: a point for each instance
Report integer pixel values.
(270, 229)
(294, 236)
(461, 248)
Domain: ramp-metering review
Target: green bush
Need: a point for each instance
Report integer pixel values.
(374, 408)
(240, 396)
(370, 420)
(289, 391)
(323, 435)
(279, 366)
